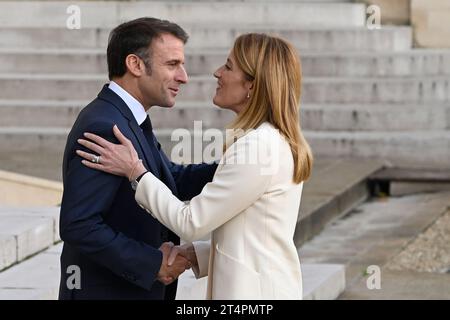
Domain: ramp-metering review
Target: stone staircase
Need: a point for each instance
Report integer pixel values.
(366, 93)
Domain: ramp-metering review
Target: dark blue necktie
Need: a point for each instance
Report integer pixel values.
(155, 147)
(146, 127)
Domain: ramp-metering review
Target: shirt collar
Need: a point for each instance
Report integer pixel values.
(135, 106)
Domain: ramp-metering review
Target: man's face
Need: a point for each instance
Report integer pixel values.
(162, 85)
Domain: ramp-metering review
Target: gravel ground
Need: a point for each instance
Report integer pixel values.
(429, 252)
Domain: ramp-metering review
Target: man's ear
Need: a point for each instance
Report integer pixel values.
(134, 65)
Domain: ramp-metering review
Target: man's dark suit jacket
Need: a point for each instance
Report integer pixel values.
(106, 234)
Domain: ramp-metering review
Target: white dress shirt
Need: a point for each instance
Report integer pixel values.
(135, 106)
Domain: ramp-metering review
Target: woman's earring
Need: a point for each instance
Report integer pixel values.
(248, 95)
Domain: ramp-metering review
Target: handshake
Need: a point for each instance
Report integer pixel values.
(176, 259)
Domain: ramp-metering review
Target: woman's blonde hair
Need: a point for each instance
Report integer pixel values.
(273, 65)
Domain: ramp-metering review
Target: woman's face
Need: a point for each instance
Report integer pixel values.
(232, 86)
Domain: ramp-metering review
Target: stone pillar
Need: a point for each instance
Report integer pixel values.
(393, 12)
(431, 22)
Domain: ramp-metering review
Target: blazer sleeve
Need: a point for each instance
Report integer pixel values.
(236, 185)
(202, 250)
(88, 194)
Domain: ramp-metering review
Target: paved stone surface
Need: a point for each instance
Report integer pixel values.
(374, 233)
(402, 285)
(35, 278)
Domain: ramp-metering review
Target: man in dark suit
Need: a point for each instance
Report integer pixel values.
(119, 249)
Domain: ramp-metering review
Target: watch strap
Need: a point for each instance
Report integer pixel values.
(140, 177)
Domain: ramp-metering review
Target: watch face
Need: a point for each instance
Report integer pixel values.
(134, 184)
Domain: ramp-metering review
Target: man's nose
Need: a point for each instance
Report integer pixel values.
(181, 75)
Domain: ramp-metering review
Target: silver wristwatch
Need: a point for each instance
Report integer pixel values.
(135, 182)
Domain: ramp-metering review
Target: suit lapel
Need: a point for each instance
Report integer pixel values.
(168, 178)
(111, 97)
(148, 154)
(165, 169)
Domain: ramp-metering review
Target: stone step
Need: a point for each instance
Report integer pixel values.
(94, 14)
(375, 117)
(386, 39)
(45, 165)
(414, 62)
(202, 88)
(323, 281)
(317, 117)
(40, 113)
(33, 139)
(400, 148)
(205, 62)
(26, 231)
(334, 189)
(21, 190)
(419, 149)
(403, 181)
(346, 90)
(38, 279)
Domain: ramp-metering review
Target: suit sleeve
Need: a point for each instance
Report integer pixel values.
(236, 185)
(88, 194)
(190, 179)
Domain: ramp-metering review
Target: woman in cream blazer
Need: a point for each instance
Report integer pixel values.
(251, 206)
(251, 210)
